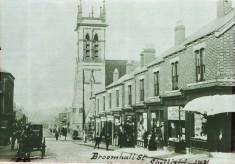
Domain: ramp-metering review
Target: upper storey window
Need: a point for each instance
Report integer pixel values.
(156, 83)
(87, 45)
(200, 64)
(175, 75)
(96, 46)
(142, 90)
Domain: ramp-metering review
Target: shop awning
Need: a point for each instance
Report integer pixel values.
(212, 104)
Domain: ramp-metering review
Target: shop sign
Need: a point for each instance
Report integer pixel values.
(117, 122)
(144, 115)
(103, 118)
(173, 113)
(153, 115)
(109, 118)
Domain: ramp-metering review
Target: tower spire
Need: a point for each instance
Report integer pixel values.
(92, 12)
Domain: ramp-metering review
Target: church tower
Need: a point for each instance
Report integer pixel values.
(90, 63)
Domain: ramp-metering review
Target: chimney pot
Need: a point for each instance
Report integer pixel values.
(115, 75)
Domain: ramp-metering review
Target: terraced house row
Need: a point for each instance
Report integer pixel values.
(198, 72)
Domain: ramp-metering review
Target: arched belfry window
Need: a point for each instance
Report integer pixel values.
(87, 45)
(96, 46)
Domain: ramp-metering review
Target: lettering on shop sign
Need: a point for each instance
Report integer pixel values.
(122, 156)
(178, 161)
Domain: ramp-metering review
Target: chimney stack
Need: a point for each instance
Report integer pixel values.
(147, 56)
(129, 67)
(179, 33)
(223, 7)
(115, 75)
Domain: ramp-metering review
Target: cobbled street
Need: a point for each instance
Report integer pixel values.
(70, 151)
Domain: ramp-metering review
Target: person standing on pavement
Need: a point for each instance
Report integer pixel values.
(120, 139)
(97, 140)
(145, 137)
(107, 141)
(65, 133)
(56, 135)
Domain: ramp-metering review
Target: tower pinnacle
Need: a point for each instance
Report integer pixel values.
(104, 12)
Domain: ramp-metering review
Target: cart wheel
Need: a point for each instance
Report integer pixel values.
(43, 147)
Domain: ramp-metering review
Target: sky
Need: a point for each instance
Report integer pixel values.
(38, 40)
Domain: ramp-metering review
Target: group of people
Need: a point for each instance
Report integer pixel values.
(98, 139)
(60, 132)
(155, 139)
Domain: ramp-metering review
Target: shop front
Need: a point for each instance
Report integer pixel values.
(103, 127)
(98, 126)
(142, 126)
(156, 124)
(117, 127)
(210, 122)
(176, 128)
(128, 129)
(109, 127)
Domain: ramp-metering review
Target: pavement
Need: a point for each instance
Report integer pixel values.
(161, 155)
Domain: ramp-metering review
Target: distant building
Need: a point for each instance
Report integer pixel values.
(7, 115)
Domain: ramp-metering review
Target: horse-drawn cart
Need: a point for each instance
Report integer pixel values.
(32, 140)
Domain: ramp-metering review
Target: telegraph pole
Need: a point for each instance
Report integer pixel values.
(83, 98)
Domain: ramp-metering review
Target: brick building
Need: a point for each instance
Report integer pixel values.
(153, 96)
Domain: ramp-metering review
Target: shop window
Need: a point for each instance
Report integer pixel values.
(200, 130)
(141, 125)
(142, 90)
(156, 117)
(175, 75)
(156, 83)
(176, 124)
(129, 95)
(200, 65)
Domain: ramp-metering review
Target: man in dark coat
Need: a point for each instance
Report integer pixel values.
(107, 141)
(120, 139)
(145, 137)
(56, 135)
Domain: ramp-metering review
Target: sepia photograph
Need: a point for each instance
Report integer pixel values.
(117, 81)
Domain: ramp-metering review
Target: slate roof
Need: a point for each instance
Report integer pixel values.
(203, 31)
